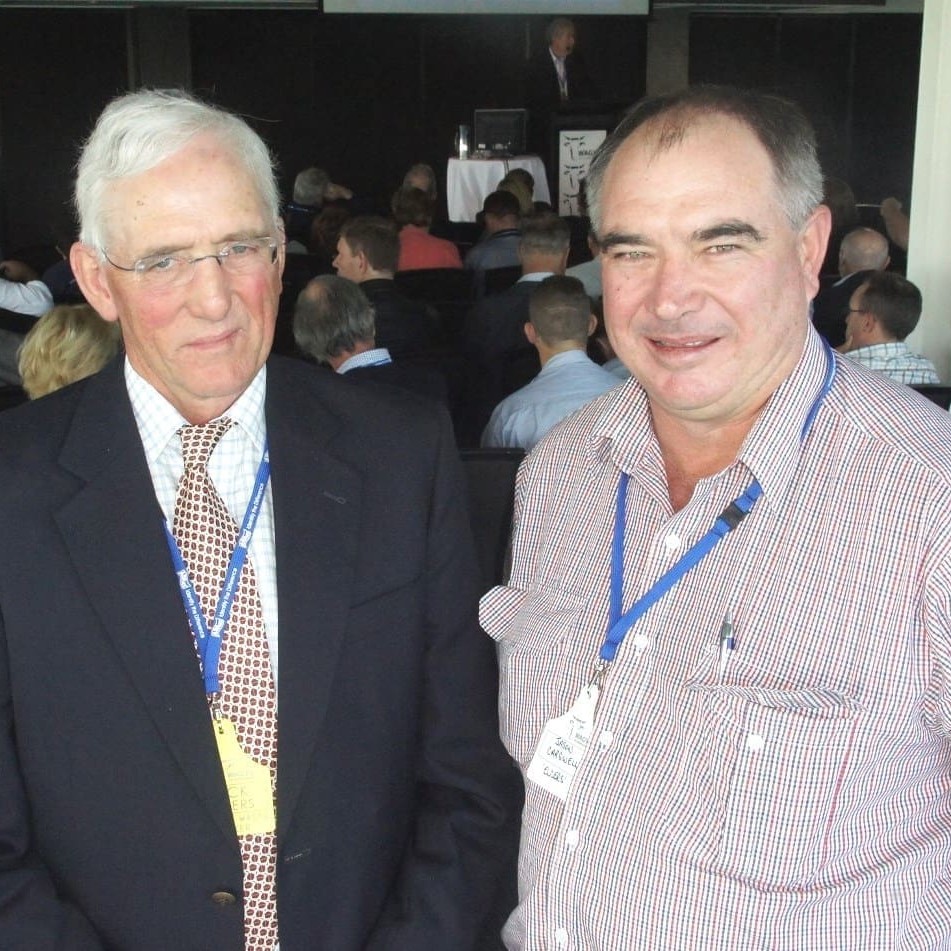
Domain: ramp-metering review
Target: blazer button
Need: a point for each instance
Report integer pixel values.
(224, 898)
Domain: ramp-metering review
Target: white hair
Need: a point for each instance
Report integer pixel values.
(139, 130)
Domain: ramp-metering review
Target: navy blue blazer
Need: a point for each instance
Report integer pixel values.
(396, 804)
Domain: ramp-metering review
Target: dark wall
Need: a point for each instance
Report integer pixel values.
(57, 69)
(366, 96)
(855, 76)
(363, 96)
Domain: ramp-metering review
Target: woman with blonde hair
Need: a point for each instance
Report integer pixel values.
(68, 343)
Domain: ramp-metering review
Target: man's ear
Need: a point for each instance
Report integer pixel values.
(531, 334)
(363, 262)
(89, 269)
(592, 324)
(813, 240)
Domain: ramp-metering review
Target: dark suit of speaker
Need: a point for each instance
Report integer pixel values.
(394, 798)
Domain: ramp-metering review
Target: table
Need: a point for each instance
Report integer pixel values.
(468, 181)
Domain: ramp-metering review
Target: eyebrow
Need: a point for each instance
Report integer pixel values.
(618, 237)
(729, 229)
(733, 228)
(163, 250)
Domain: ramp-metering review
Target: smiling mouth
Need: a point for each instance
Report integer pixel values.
(682, 344)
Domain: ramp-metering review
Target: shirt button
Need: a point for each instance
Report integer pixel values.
(561, 937)
(606, 738)
(571, 839)
(755, 742)
(672, 542)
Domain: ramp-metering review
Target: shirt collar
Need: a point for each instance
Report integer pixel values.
(379, 356)
(158, 421)
(565, 357)
(770, 451)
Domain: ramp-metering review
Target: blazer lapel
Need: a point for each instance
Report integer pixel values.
(112, 528)
(316, 519)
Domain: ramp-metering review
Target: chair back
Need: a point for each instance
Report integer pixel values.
(436, 284)
(490, 475)
(498, 279)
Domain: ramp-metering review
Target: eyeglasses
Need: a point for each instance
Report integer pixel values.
(856, 310)
(160, 271)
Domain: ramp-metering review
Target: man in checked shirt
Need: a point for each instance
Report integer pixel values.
(725, 643)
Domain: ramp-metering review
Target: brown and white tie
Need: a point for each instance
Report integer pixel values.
(206, 535)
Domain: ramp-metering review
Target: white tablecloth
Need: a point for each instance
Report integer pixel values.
(468, 181)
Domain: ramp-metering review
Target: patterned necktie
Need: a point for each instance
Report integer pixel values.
(206, 534)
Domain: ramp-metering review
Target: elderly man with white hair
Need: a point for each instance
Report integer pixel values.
(230, 718)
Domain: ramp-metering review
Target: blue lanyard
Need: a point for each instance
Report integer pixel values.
(727, 520)
(209, 639)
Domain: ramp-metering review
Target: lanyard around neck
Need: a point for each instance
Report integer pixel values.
(726, 521)
(208, 638)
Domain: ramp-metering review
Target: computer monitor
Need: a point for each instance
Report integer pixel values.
(500, 131)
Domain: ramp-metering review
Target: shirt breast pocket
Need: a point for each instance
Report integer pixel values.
(763, 781)
(531, 628)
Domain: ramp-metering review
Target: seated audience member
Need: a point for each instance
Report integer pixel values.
(25, 296)
(517, 186)
(325, 233)
(589, 272)
(499, 358)
(525, 177)
(423, 177)
(560, 322)
(862, 250)
(498, 246)
(600, 348)
(367, 254)
(68, 343)
(882, 312)
(335, 324)
(21, 291)
(413, 212)
(312, 187)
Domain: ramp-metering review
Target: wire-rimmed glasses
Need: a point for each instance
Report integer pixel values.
(161, 271)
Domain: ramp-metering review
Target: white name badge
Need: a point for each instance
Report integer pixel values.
(562, 745)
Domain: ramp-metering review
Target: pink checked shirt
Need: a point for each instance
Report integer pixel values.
(803, 799)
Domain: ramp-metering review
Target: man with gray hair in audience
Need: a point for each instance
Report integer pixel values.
(862, 250)
(312, 187)
(334, 323)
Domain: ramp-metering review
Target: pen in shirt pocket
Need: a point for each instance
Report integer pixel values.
(727, 641)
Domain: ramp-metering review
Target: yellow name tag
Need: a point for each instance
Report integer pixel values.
(249, 783)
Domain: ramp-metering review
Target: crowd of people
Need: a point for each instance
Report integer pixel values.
(245, 700)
